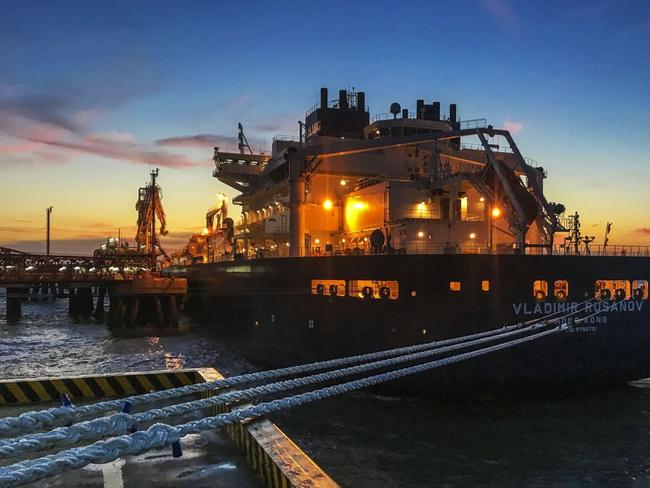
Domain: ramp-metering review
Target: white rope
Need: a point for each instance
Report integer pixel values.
(160, 435)
(121, 423)
(41, 419)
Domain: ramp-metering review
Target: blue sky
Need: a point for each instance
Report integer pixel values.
(93, 94)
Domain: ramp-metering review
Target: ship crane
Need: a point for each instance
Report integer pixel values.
(220, 211)
(149, 206)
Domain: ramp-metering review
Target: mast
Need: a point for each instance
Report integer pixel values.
(48, 212)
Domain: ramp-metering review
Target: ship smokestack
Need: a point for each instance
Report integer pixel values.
(343, 99)
(323, 98)
(436, 110)
(452, 113)
(405, 113)
(419, 109)
(361, 101)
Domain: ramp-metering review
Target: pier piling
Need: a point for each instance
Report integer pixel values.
(145, 302)
(98, 314)
(14, 305)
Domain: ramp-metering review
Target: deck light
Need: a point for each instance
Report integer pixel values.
(482, 199)
(328, 205)
(420, 234)
(472, 235)
(496, 212)
(343, 182)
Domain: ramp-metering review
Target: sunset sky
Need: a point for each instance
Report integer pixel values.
(95, 94)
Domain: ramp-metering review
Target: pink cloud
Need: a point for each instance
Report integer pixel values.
(643, 230)
(113, 136)
(20, 148)
(240, 101)
(512, 126)
(198, 140)
(126, 152)
(37, 136)
(501, 10)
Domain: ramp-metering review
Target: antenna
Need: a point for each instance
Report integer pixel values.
(243, 142)
(607, 231)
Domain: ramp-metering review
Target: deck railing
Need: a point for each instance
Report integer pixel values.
(468, 247)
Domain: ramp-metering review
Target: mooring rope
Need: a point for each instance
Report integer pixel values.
(41, 419)
(160, 435)
(121, 423)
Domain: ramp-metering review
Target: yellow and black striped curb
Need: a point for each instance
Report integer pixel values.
(33, 390)
(273, 456)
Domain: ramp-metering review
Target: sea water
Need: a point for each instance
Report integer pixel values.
(565, 439)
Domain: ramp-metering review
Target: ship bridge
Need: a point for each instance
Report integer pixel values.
(423, 178)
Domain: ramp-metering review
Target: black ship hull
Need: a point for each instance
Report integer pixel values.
(269, 310)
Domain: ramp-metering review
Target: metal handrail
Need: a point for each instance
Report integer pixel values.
(464, 247)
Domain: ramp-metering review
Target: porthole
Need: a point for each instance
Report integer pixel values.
(612, 289)
(377, 289)
(332, 288)
(561, 290)
(640, 289)
(540, 290)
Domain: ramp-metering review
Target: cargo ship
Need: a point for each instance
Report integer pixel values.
(363, 234)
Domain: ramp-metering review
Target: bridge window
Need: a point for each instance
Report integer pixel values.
(454, 285)
(613, 290)
(561, 290)
(374, 289)
(333, 288)
(640, 289)
(540, 290)
(485, 285)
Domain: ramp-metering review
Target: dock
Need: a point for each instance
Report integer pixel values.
(243, 454)
(138, 296)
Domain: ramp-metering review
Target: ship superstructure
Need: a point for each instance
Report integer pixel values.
(364, 234)
(402, 182)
